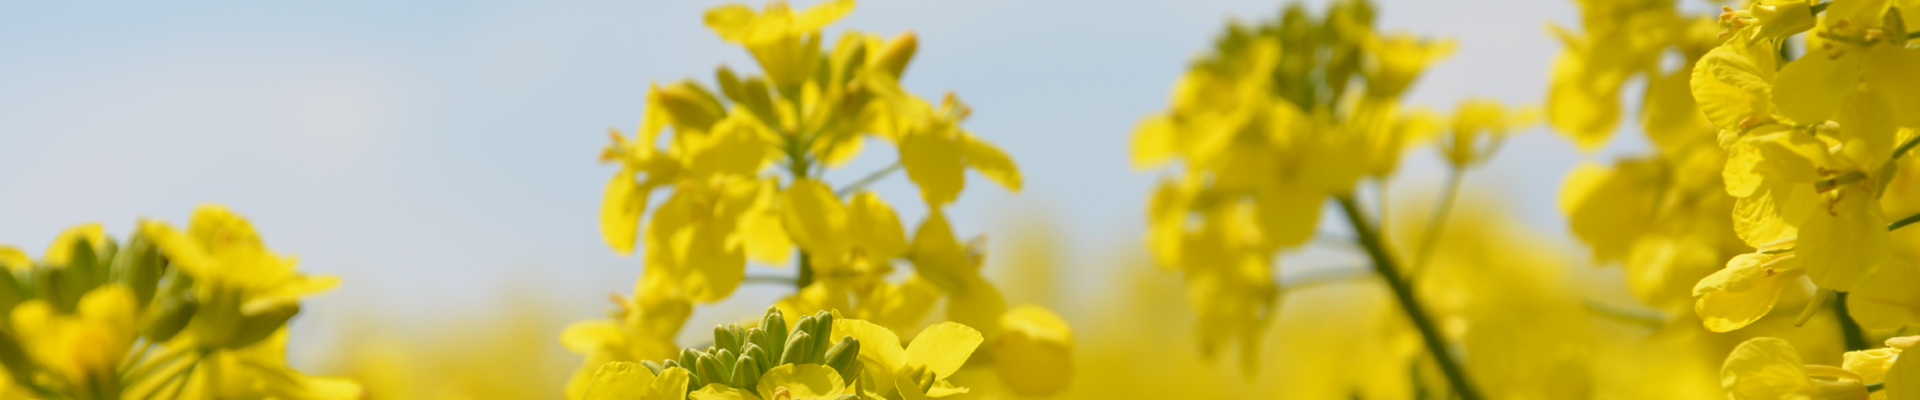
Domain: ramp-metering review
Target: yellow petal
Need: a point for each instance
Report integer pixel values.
(1903, 380)
(671, 385)
(1580, 107)
(14, 259)
(1887, 300)
(710, 270)
(1890, 69)
(619, 380)
(1844, 243)
(933, 162)
(1809, 89)
(1870, 364)
(879, 348)
(1774, 213)
(620, 210)
(943, 348)
(875, 226)
(1730, 87)
(1742, 293)
(820, 15)
(803, 381)
(1606, 208)
(735, 147)
(715, 391)
(1765, 368)
(1034, 352)
(976, 303)
(1154, 141)
(60, 252)
(814, 217)
(991, 162)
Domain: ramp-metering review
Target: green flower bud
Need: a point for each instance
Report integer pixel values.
(671, 364)
(138, 267)
(746, 372)
(711, 370)
(798, 346)
(755, 352)
(169, 317)
(775, 327)
(845, 357)
(690, 105)
(254, 328)
(690, 359)
(652, 366)
(822, 334)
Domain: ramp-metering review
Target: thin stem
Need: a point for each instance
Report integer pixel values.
(806, 272)
(1850, 332)
(1439, 220)
(780, 280)
(875, 176)
(1903, 222)
(1653, 319)
(1876, 386)
(1403, 292)
(1817, 8)
(1323, 277)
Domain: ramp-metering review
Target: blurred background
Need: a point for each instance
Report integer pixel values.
(440, 156)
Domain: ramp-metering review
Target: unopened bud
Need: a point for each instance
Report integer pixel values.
(844, 357)
(894, 55)
(798, 347)
(746, 372)
(691, 106)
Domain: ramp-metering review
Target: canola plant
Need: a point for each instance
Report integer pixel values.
(1778, 176)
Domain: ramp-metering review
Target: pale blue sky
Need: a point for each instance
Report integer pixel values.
(436, 154)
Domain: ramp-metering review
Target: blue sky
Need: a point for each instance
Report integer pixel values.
(438, 154)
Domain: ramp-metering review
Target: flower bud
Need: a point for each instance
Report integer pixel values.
(691, 106)
(138, 267)
(169, 317)
(727, 337)
(1777, 19)
(798, 347)
(894, 55)
(760, 355)
(712, 371)
(844, 357)
(652, 366)
(746, 372)
(775, 326)
(822, 334)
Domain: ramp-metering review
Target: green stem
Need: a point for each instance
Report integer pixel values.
(806, 272)
(781, 280)
(1850, 332)
(1903, 222)
(1323, 277)
(1876, 386)
(1439, 220)
(1403, 292)
(875, 176)
(1648, 318)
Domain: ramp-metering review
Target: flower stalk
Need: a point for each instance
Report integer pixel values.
(1384, 265)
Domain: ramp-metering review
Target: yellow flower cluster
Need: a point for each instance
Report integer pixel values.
(197, 314)
(1278, 119)
(745, 171)
(1810, 147)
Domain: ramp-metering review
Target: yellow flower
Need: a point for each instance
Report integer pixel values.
(1480, 126)
(918, 371)
(1769, 368)
(936, 151)
(82, 350)
(1746, 290)
(245, 291)
(1033, 353)
(787, 45)
(856, 239)
(621, 380)
(1398, 59)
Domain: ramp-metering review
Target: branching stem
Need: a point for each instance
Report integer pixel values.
(1383, 264)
